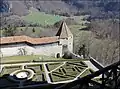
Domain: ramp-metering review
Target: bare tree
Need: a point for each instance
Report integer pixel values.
(22, 51)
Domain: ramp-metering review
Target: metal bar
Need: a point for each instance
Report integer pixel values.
(103, 82)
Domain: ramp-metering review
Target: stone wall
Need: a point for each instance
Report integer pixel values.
(70, 43)
(67, 42)
(47, 49)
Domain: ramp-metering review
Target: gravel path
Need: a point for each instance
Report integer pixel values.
(90, 65)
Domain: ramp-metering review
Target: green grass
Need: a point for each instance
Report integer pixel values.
(85, 73)
(1, 32)
(78, 63)
(52, 66)
(9, 69)
(30, 30)
(69, 72)
(35, 58)
(76, 27)
(19, 58)
(26, 58)
(77, 69)
(42, 18)
(37, 78)
(36, 68)
(27, 31)
(64, 73)
(58, 77)
(80, 18)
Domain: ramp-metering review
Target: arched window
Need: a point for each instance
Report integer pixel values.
(58, 55)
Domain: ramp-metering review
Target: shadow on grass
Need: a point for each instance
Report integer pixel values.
(6, 82)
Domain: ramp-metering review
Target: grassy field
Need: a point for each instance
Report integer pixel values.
(42, 18)
(45, 19)
(76, 27)
(29, 31)
(18, 58)
(1, 33)
(80, 19)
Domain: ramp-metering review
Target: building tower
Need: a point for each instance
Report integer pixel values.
(65, 37)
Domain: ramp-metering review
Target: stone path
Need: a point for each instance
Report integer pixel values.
(90, 65)
(47, 73)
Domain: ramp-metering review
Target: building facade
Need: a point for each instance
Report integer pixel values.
(51, 46)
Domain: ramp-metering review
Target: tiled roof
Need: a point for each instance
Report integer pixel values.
(17, 39)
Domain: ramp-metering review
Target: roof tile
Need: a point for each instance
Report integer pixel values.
(14, 39)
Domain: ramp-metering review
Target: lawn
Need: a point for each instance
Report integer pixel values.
(39, 78)
(28, 30)
(15, 59)
(42, 18)
(9, 69)
(86, 72)
(52, 66)
(57, 77)
(76, 27)
(35, 58)
(38, 68)
(68, 71)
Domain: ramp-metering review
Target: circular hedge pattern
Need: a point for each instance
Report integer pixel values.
(22, 75)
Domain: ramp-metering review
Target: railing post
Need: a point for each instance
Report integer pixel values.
(103, 81)
(115, 77)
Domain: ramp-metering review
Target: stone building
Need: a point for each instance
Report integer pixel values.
(51, 46)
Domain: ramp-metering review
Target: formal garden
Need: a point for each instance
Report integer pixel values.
(44, 72)
(67, 71)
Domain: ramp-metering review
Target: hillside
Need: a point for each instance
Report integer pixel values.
(97, 8)
(42, 18)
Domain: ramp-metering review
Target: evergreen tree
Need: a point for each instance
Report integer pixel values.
(9, 31)
(83, 51)
(33, 30)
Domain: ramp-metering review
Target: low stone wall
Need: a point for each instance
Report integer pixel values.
(75, 56)
(96, 63)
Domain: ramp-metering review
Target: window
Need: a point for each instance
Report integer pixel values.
(58, 55)
(65, 48)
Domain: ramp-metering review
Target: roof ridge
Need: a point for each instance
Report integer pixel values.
(23, 38)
